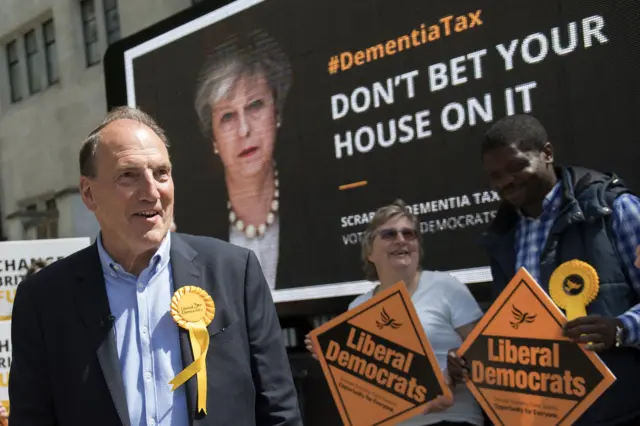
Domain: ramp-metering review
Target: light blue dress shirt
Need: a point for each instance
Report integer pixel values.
(147, 339)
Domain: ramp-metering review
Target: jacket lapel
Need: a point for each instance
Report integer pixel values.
(187, 271)
(91, 297)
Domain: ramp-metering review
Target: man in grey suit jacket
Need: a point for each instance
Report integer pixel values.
(93, 339)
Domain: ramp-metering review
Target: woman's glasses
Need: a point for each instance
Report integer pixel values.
(390, 234)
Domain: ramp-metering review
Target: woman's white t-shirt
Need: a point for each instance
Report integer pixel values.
(443, 304)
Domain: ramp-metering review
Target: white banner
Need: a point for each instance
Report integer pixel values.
(16, 257)
(5, 361)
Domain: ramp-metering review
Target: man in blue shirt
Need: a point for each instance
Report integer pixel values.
(95, 335)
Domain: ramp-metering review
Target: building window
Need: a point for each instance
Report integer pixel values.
(41, 224)
(48, 228)
(111, 20)
(90, 31)
(50, 52)
(33, 72)
(13, 62)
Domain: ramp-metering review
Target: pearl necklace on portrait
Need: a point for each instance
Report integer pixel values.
(251, 231)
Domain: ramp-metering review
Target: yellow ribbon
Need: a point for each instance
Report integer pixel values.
(193, 309)
(199, 336)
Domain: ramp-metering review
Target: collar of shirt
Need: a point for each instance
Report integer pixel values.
(551, 202)
(158, 261)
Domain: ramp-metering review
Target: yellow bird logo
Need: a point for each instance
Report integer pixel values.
(521, 317)
(387, 321)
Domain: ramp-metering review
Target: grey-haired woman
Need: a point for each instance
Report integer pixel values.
(242, 88)
(391, 252)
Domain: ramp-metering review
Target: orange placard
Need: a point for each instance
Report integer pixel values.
(523, 371)
(378, 362)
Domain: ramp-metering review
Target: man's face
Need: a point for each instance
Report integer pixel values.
(132, 191)
(519, 177)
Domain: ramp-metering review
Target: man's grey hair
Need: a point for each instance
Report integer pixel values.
(90, 144)
(254, 55)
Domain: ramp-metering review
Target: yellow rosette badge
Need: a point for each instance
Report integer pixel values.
(572, 286)
(193, 309)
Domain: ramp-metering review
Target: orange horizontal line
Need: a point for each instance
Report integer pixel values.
(352, 185)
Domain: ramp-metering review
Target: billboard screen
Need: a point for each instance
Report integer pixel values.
(292, 121)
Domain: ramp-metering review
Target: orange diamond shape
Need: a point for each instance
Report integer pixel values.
(378, 362)
(522, 369)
